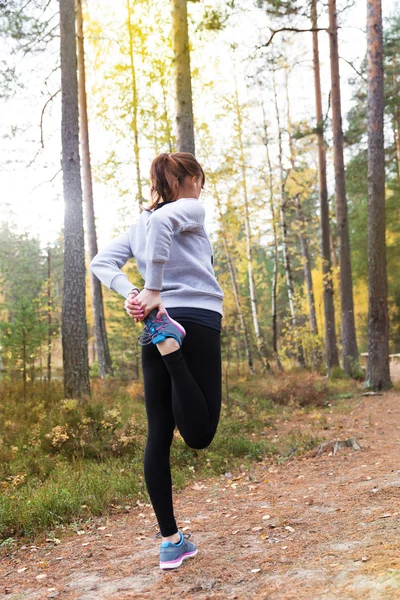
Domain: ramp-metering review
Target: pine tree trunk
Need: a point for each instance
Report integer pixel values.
(103, 351)
(135, 107)
(331, 352)
(183, 80)
(378, 373)
(74, 326)
(349, 342)
(274, 287)
(284, 236)
(261, 346)
(235, 288)
(49, 316)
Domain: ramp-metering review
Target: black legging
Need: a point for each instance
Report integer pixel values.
(183, 389)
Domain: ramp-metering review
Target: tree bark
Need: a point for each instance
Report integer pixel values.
(331, 352)
(74, 326)
(378, 373)
(135, 105)
(261, 346)
(103, 351)
(183, 80)
(349, 342)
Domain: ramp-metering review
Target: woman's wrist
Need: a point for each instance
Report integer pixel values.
(152, 291)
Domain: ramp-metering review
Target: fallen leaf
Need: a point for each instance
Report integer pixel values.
(22, 569)
(289, 528)
(103, 527)
(255, 570)
(235, 532)
(41, 576)
(256, 528)
(265, 517)
(197, 487)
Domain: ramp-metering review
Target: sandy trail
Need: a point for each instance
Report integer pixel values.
(313, 528)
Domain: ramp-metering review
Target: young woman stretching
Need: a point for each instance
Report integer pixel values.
(181, 352)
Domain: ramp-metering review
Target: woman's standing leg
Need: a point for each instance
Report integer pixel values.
(161, 424)
(196, 376)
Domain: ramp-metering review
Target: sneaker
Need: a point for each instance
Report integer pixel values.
(172, 555)
(157, 329)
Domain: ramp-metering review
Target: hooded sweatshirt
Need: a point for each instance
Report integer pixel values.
(173, 253)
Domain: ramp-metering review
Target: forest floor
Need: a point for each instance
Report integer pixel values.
(315, 528)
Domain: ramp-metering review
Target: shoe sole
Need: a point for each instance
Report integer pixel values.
(176, 324)
(173, 564)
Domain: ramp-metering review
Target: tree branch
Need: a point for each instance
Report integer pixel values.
(294, 29)
(353, 67)
(42, 115)
(49, 181)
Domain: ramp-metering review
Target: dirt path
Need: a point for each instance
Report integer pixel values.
(313, 528)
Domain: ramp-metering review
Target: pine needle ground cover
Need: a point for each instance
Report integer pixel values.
(63, 462)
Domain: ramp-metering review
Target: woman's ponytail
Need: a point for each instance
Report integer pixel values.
(167, 174)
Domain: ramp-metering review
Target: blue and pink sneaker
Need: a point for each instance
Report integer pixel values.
(157, 329)
(172, 555)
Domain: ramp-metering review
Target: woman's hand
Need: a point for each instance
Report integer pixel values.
(146, 301)
(131, 308)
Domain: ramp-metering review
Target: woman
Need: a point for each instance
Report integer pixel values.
(181, 307)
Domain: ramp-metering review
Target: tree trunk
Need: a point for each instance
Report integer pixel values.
(378, 373)
(332, 358)
(283, 224)
(349, 342)
(261, 346)
(274, 287)
(103, 351)
(183, 81)
(74, 326)
(235, 288)
(135, 106)
(49, 316)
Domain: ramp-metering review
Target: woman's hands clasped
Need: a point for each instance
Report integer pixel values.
(139, 304)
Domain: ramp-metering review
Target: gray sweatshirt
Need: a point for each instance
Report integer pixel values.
(173, 254)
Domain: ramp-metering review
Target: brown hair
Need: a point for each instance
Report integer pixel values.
(167, 174)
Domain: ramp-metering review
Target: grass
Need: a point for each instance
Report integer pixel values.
(62, 463)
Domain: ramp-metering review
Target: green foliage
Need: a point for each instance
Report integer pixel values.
(62, 462)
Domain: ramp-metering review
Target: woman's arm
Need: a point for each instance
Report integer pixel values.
(107, 264)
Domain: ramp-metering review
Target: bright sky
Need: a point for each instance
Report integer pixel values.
(34, 202)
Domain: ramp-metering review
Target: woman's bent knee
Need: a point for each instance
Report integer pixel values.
(199, 442)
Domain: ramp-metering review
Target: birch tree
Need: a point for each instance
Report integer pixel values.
(261, 346)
